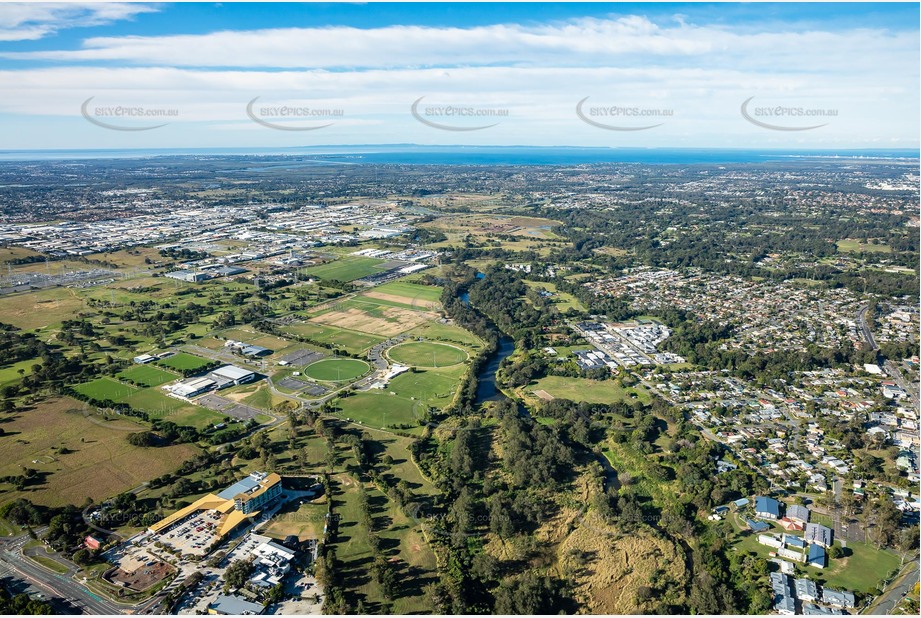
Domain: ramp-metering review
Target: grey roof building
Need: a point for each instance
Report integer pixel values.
(819, 535)
(837, 598)
(817, 610)
(806, 590)
(231, 605)
(798, 512)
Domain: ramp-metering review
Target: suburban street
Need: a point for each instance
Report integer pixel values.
(891, 597)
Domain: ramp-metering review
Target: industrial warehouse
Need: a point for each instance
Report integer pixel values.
(223, 377)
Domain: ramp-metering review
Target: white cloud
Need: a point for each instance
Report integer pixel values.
(537, 72)
(29, 21)
(635, 41)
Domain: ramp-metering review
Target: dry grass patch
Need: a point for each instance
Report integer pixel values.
(392, 320)
(609, 567)
(96, 460)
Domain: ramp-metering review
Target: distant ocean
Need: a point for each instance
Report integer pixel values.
(480, 155)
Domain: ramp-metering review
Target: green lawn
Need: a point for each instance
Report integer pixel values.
(10, 373)
(860, 570)
(380, 409)
(182, 361)
(434, 387)
(106, 388)
(50, 564)
(336, 369)
(159, 406)
(446, 332)
(427, 354)
(147, 375)
(592, 391)
(346, 268)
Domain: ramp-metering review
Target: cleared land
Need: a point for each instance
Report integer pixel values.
(159, 406)
(591, 391)
(351, 341)
(561, 300)
(406, 399)
(427, 354)
(96, 460)
(336, 369)
(373, 318)
(855, 246)
(10, 373)
(43, 309)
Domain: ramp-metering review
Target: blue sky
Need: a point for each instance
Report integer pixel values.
(152, 75)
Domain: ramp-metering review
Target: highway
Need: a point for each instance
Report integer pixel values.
(60, 586)
(865, 328)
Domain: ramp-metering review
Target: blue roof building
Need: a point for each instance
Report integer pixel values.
(816, 556)
(757, 526)
(767, 508)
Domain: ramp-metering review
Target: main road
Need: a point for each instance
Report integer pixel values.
(58, 585)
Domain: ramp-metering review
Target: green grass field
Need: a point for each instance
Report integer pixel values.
(147, 375)
(346, 268)
(405, 399)
(591, 391)
(380, 409)
(182, 361)
(446, 332)
(159, 406)
(349, 340)
(855, 246)
(10, 373)
(106, 388)
(427, 354)
(861, 570)
(336, 369)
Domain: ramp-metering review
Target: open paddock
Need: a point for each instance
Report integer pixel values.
(92, 457)
(352, 341)
(376, 320)
(347, 268)
(45, 308)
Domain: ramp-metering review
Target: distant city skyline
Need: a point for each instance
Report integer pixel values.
(681, 75)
